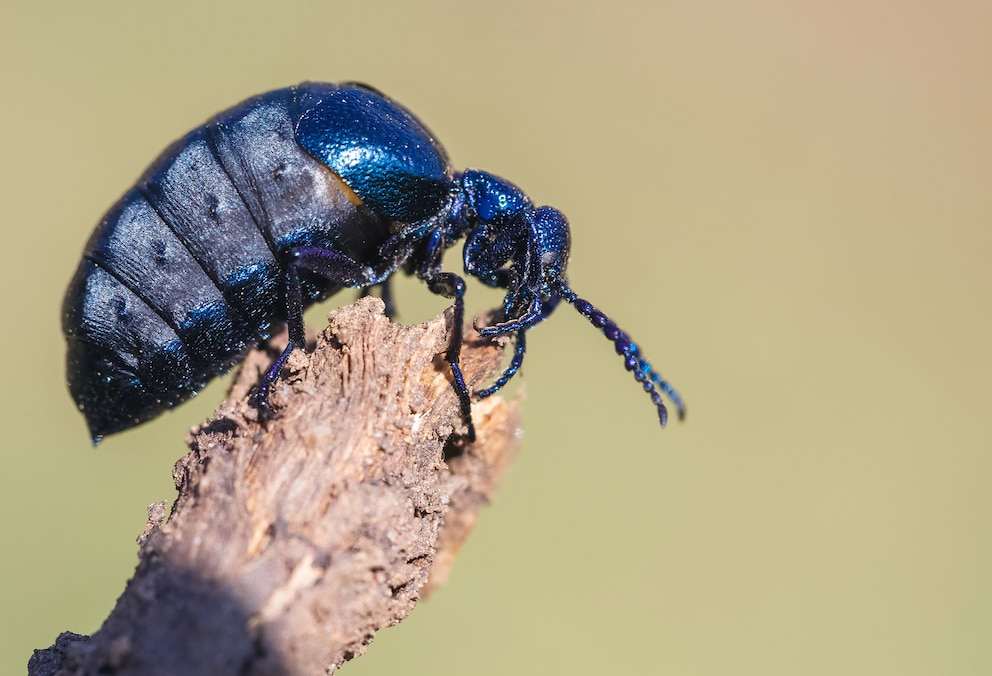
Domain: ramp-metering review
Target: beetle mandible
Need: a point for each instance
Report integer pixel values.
(275, 204)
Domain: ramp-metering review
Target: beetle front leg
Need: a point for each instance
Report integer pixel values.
(519, 348)
(534, 314)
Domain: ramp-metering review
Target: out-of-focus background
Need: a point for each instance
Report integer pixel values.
(787, 204)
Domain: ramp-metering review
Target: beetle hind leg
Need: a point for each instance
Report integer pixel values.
(332, 265)
(297, 339)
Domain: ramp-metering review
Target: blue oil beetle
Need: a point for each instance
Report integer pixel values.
(275, 204)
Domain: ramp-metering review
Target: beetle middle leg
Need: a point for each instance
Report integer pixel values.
(450, 285)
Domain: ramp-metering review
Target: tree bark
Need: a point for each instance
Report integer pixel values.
(292, 543)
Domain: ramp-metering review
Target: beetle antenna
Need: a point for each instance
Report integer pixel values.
(643, 372)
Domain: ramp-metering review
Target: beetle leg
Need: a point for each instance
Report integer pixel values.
(297, 339)
(430, 266)
(450, 285)
(386, 293)
(345, 271)
(332, 265)
(519, 348)
(336, 267)
(535, 313)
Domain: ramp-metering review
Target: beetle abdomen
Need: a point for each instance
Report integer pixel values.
(144, 320)
(124, 362)
(185, 272)
(194, 197)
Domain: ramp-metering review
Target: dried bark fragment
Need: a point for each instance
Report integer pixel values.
(290, 546)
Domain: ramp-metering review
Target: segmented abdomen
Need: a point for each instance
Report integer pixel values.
(185, 273)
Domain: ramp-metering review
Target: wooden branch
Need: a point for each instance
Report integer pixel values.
(290, 546)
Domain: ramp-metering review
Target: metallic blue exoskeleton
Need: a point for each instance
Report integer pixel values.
(279, 202)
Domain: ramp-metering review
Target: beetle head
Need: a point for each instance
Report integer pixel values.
(512, 245)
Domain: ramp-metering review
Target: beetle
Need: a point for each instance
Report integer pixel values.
(276, 203)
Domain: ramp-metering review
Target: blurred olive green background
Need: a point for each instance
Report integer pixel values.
(788, 204)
